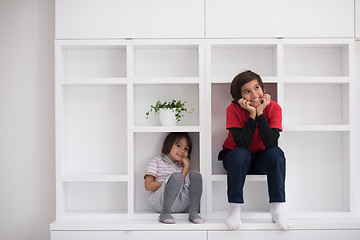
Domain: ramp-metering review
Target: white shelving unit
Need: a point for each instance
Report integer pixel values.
(104, 141)
(310, 79)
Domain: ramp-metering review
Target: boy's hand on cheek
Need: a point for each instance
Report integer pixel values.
(265, 101)
(246, 105)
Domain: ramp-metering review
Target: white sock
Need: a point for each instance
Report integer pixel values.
(278, 215)
(233, 220)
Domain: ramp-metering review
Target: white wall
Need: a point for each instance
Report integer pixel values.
(27, 153)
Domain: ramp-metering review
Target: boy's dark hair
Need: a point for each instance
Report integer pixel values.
(240, 80)
(172, 138)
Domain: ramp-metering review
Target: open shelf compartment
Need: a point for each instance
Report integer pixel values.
(94, 124)
(150, 93)
(153, 143)
(95, 197)
(98, 61)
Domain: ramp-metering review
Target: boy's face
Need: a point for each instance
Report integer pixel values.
(179, 150)
(252, 92)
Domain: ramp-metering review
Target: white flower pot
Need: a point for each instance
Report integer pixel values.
(167, 117)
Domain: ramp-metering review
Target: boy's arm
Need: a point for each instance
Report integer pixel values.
(243, 136)
(265, 102)
(269, 136)
(150, 184)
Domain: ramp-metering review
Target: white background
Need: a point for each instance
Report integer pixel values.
(27, 115)
(27, 153)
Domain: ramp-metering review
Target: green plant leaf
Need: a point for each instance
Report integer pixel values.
(177, 105)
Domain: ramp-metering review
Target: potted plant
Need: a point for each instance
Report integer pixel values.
(170, 113)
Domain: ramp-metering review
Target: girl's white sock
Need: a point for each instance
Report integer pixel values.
(278, 215)
(233, 220)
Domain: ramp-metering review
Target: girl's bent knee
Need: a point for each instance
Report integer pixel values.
(195, 175)
(176, 177)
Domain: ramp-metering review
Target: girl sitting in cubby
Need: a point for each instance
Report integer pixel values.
(254, 124)
(174, 187)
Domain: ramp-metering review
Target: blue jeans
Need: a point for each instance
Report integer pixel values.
(240, 162)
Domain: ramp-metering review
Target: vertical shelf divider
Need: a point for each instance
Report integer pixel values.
(202, 121)
(280, 82)
(130, 127)
(207, 134)
(353, 165)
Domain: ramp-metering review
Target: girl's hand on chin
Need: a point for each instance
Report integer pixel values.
(185, 161)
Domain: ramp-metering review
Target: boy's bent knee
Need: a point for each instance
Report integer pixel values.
(240, 153)
(275, 151)
(238, 158)
(276, 154)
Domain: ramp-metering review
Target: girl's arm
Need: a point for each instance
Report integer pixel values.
(269, 136)
(150, 184)
(243, 136)
(187, 166)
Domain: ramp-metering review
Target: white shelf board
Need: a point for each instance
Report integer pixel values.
(89, 81)
(91, 42)
(95, 178)
(166, 42)
(310, 42)
(167, 129)
(253, 178)
(314, 80)
(166, 80)
(211, 225)
(228, 79)
(291, 214)
(262, 42)
(316, 128)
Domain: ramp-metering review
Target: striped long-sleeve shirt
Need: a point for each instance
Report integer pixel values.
(161, 166)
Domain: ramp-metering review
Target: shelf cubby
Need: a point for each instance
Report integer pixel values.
(150, 93)
(227, 60)
(95, 133)
(95, 197)
(95, 61)
(311, 60)
(316, 104)
(166, 61)
(323, 166)
(149, 145)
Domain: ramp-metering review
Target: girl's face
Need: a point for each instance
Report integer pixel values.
(179, 150)
(253, 93)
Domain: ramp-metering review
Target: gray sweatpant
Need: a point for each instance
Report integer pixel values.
(181, 203)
